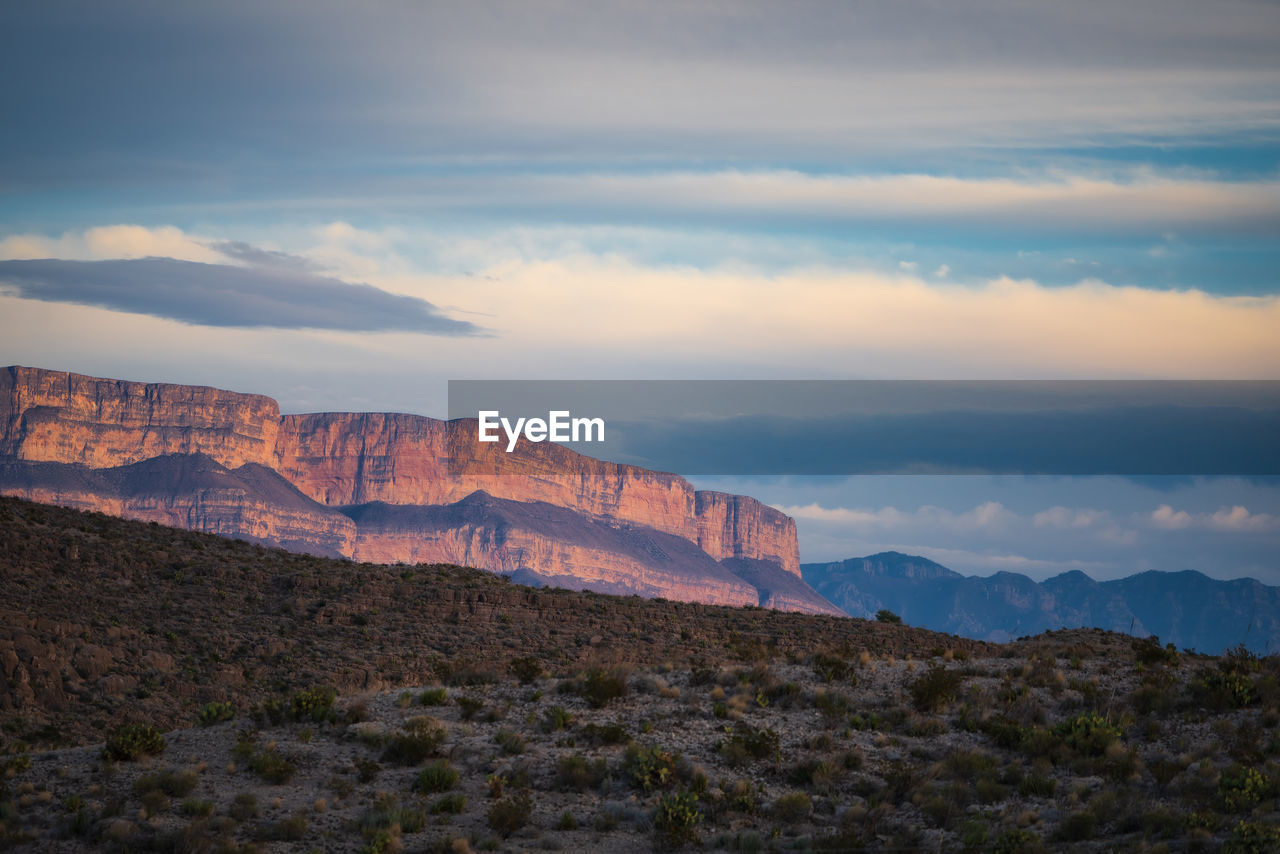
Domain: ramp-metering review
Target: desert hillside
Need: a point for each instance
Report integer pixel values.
(175, 691)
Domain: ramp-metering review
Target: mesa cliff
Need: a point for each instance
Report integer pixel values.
(383, 487)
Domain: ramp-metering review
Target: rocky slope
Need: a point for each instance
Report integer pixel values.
(228, 463)
(1188, 609)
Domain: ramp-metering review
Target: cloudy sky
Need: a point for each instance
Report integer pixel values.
(344, 205)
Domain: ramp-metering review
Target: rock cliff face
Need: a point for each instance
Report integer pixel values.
(387, 487)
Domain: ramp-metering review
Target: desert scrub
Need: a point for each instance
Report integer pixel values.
(435, 778)
(132, 741)
(177, 784)
(601, 686)
(675, 821)
(747, 743)
(1241, 788)
(272, 767)
(556, 718)
(453, 803)
(469, 707)
(215, 713)
(1252, 838)
(649, 767)
(509, 814)
(511, 742)
(1223, 690)
(937, 688)
(884, 615)
(1088, 734)
(576, 772)
(314, 704)
(831, 668)
(527, 669)
(792, 807)
(417, 742)
(434, 696)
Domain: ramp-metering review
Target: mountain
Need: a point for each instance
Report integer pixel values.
(388, 487)
(1188, 609)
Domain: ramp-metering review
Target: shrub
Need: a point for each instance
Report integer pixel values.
(602, 686)
(611, 733)
(195, 807)
(436, 777)
(831, 668)
(1252, 838)
(649, 767)
(215, 713)
(884, 615)
(244, 806)
(421, 737)
(556, 719)
(1017, 842)
(1241, 787)
(132, 741)
(313, 704)
(452, 804)
(1088, 734)
(1078, 827)
(832, 704)
(747, 742)
(527, 669)
(272, 767)
(793, 806)
(177, 784)
(508, 815)
(675, 821)
(936, 688)
(1224, 690)
(470, 707)
(511, 742)
(434, 696)
(578, 773)
(1148, 652)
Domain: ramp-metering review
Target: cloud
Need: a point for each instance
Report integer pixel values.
(224, 295)
(112, 241)
(1066, 517)
(1234, 519)
(255, 256)
(988, 516)
(1140, 199)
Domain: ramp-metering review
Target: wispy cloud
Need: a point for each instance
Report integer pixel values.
(224, 295)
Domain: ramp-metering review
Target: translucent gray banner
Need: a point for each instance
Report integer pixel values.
(785, 427)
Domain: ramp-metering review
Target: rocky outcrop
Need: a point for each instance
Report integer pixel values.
(736, 526)
(383, 487)
(51, 416)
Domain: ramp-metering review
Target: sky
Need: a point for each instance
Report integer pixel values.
(346, 205)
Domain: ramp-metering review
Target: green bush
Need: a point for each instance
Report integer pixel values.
(675, 821)
(215, 713)
(1148, 652)
(509, 814)
(884, 615)
(177, 784)
(1252, 838)
(527, 669)
(1241, 787)
(272, 767)
(132, 741)
(602, 686)
(793, 806)
(1078, 827)
(436, 777)
(576, 772)
(434, 696)
(313, 704)
(747, 742)
(1224, 690)
(556, 719)
(935, 689)
(1088, 734)
(649, 767)
(451, 804)
(511, 742)
(470, 707)
(831, 668)
(419, 740)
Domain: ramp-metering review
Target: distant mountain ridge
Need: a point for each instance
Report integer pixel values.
(1185, 608)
